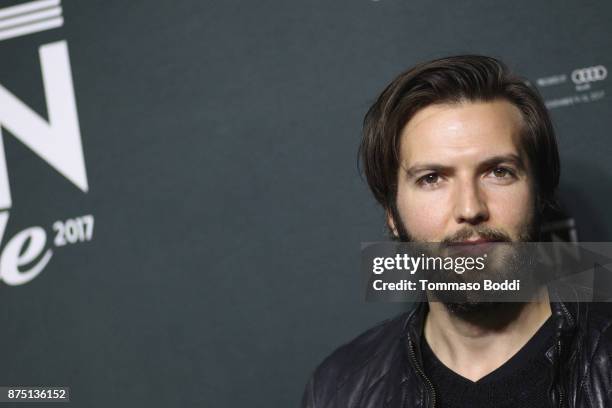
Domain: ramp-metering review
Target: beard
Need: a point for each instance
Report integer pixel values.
(510, 260)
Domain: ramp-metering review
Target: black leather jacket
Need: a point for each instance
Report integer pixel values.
(382, 367)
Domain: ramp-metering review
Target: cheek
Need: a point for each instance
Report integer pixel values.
(424, 215)
(512, 209)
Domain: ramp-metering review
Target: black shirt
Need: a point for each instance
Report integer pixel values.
(522, 381)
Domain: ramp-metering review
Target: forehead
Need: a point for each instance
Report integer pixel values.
(467, 130)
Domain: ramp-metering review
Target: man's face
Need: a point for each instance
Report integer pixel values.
(462, 175)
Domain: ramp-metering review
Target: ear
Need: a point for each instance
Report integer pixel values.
(391, 223)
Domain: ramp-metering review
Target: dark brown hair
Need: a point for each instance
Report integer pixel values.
(455, 79)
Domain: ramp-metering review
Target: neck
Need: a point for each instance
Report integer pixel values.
(472, 350)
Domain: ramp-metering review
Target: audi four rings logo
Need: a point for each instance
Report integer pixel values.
(590, 74)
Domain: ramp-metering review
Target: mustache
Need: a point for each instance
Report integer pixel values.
(490, 234)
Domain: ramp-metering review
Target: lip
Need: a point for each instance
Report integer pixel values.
(478, 241)
(472, 247)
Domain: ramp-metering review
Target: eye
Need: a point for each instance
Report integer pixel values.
(503, 173)
(429, 179)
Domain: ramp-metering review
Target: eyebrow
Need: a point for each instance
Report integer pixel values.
(514, 159)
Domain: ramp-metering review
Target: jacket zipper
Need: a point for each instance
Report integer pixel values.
(559, 373)
(422, 373)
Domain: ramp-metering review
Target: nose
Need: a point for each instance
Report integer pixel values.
(470, 204)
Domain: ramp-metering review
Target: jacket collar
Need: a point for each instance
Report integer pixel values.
(566, 316)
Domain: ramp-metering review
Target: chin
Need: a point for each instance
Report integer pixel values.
(492, 315)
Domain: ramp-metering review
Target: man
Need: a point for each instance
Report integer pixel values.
(459, 150)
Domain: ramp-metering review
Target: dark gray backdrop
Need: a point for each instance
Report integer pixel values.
(220, 141)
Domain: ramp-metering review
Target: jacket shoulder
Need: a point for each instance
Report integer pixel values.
(599, 327)
(597, 378)
(353, 368)
(599, 337)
